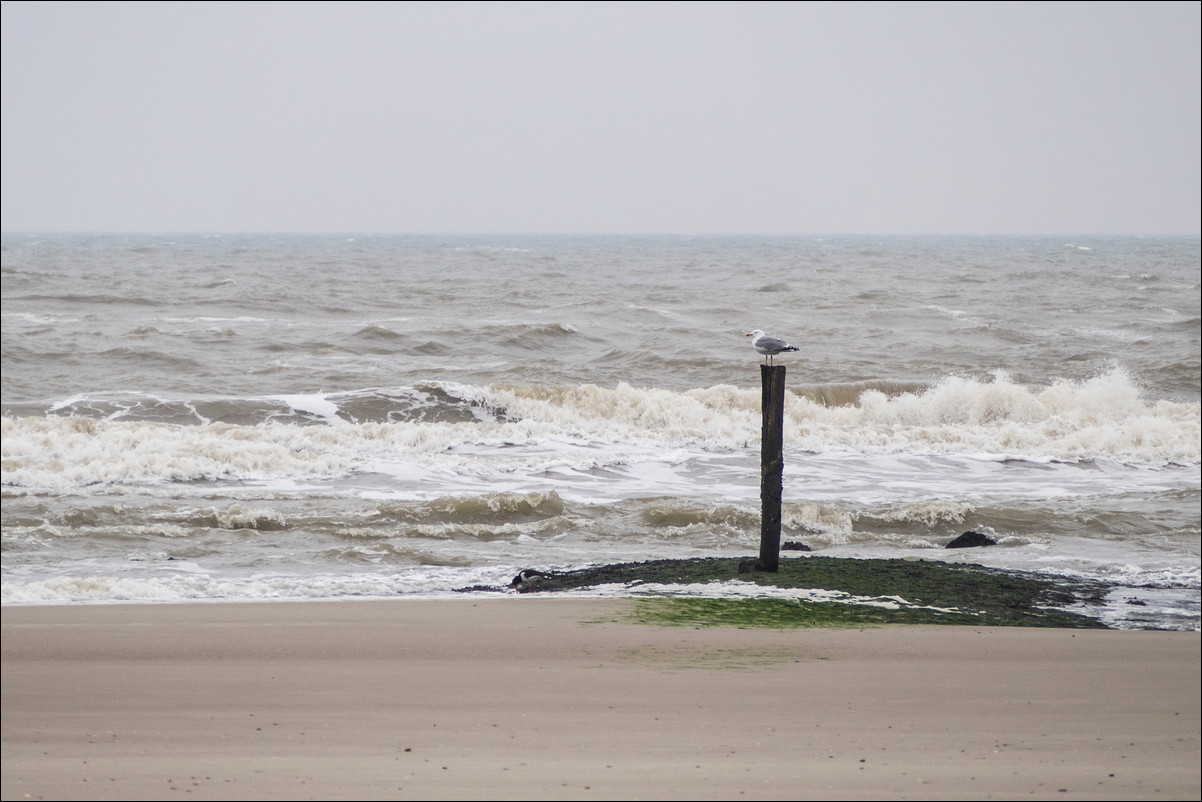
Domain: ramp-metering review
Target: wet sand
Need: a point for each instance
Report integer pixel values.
(551, 698)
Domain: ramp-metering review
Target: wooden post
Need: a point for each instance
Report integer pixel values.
(772, 464)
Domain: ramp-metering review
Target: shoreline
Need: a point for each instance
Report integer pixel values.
(536, 696)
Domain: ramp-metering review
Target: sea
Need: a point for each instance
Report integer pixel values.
(256, 417)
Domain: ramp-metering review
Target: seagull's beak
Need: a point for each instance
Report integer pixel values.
(748, 334)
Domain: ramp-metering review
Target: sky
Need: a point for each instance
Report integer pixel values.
(553, 117)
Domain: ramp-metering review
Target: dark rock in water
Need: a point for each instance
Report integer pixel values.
(793, 545)
(969, 540)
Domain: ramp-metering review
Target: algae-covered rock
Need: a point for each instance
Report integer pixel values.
(865, 591)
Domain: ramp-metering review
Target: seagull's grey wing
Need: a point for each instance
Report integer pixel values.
(770, 345)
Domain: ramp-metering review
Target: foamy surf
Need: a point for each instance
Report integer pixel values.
(591, 428)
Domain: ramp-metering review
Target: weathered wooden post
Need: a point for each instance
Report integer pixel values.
(772, 464)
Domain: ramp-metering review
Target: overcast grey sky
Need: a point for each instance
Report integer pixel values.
(542, 117)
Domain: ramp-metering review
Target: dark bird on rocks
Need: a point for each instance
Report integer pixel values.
(769, 346)
(526, 579)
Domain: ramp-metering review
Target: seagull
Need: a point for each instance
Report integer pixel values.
(769, 346)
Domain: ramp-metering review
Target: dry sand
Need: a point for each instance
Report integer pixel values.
(542, 698)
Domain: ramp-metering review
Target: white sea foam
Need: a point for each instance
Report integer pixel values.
(581, 429)
(319, 406)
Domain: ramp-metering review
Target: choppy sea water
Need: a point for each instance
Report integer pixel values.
(321, 417)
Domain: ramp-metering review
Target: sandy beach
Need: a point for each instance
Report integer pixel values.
(528, 697)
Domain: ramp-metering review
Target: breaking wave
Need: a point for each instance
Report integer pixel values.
(480, 430)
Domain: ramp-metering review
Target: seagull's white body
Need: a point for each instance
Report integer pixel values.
(769, 346)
